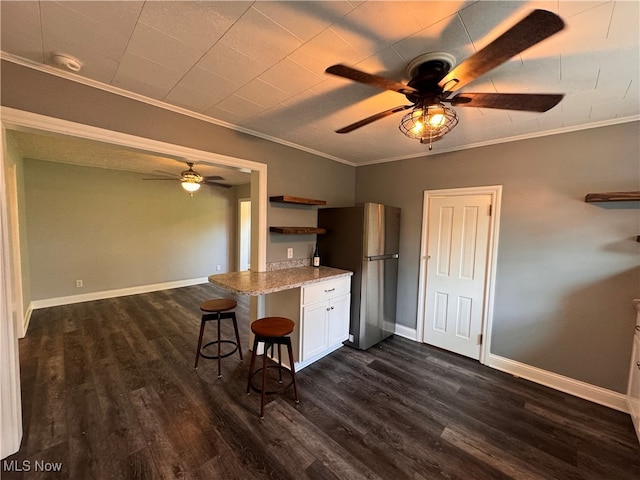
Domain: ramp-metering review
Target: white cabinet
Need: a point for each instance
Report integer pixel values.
(321, 313)
(325, 318)
(325, 324)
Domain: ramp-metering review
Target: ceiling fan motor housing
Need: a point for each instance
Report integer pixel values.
(425, 72)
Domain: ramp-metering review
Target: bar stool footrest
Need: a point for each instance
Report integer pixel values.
(271, 392)
(215, 342)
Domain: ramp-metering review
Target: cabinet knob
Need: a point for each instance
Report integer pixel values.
(331, 308)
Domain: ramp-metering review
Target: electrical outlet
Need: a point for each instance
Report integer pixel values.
(79, 284)
(218, 268)
(289, 252)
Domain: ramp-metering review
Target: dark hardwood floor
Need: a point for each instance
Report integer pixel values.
(109, 392)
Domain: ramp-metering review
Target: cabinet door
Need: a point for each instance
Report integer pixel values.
(314, 329)
(339, 311)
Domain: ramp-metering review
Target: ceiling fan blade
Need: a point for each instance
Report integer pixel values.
(373, 118)
(534, 28)
(530, 102)
(173, 179)
(369, 79)
(213, 178)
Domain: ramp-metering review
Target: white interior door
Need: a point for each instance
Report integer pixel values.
(457, 260)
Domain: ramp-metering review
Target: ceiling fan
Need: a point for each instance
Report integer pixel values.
(433, 81)
(190, 180)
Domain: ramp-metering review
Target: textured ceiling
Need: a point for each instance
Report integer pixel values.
(259, 66)
(90, 153)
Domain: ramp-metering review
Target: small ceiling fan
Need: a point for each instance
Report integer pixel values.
(190, 180)
(433, 81)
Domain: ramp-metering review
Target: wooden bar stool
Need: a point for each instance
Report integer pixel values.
(218, 310)
(272, 331)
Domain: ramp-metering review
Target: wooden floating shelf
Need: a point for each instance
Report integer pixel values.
(297, 200)
(297, 230)
(613, 197)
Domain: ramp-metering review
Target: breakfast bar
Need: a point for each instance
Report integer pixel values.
(263, 283)
(317, 299)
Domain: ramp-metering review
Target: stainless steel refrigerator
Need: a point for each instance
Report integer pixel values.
(365, 240)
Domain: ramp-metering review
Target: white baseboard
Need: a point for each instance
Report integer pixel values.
(407, 332)
(602, 396)
(120, 292)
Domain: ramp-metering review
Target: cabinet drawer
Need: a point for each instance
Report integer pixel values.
(321, 291)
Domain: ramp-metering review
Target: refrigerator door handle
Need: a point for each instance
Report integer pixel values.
(383, 257)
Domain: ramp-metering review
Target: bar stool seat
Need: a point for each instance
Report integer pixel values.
(218, 309)
(272, 331)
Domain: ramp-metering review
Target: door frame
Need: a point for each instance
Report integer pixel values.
(492, 256)
(10, 393)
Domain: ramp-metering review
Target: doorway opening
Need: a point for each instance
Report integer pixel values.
(15, 121)
(13, 316)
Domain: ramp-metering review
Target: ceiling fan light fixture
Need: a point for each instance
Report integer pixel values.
(190, 186)
(191, 180)
(428, 123)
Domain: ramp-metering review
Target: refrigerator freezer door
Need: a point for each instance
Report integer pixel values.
(378, 306)
(382, 230)
(365, 240)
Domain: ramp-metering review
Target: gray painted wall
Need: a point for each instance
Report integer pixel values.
(567, 270)
(113, 230)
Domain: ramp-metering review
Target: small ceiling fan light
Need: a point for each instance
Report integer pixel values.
(190, 186)
(437, 119)
(428, 124)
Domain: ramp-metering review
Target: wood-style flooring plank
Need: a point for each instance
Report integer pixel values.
(138, 465)
(164, 443)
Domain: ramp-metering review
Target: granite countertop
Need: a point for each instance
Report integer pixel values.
(262, 283)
